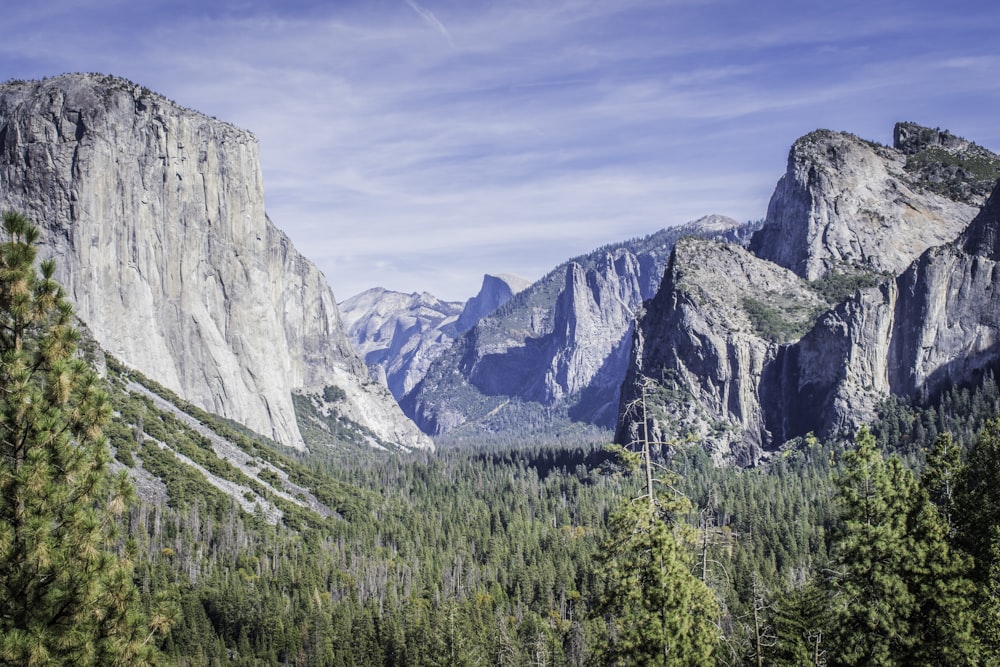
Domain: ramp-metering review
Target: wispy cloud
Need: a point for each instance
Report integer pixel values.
(417, 144)
(431, 20)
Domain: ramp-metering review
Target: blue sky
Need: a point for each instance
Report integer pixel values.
(417, 144)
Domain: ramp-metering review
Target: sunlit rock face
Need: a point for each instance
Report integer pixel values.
(866, 280)
(155, 216)
(846, 205)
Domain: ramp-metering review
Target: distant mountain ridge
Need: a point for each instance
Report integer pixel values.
(155, 216)
(558, 348)
(399, 335)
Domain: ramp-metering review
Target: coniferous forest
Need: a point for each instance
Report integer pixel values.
(881, 548)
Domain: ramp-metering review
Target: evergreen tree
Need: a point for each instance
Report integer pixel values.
(977, 519)
(941, 573)
(65, 597)
(802, 626)
(944, 463)
(658, 612)
(977, 500)
(938, 576)
(873, 603)
(903, 595)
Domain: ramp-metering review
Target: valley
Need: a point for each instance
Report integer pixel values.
(393, 479)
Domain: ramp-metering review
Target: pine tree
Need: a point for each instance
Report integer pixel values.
(658, 612)
(939, 577)
(977, 519)
(66, 598)
(977, 500)
(941, 573)
(903, 594)
(873, 603)
(802, 626)
(944, 462)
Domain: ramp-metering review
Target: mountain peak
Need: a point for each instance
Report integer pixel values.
(982, 237)
(847, 206)
(911, 138)
(495, 292)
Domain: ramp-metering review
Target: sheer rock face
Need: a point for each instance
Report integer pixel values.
(561, 344)
(846, 205)
(494, 292)
(155, 215)
(936, 325)
(743, 351)
(947, 315)
(704, 343)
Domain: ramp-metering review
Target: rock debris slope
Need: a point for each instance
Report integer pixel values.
(155, 215)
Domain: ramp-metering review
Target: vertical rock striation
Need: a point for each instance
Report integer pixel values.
(560, 346)
(861, 284)
(155, 215)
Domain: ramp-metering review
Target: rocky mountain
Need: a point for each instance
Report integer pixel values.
(935, 325)
(557, 350)
(846, 205)
(494, 292)
(708, 336)
(857, 286)
(155, 216)
(399, 335)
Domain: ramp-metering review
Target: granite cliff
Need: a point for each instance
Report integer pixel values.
(155, 216)
(846, 205)
(935, 325)
(860, 284)
(557, 351)
(715, 326)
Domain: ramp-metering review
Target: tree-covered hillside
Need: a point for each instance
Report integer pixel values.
(237, 551)
(495, 555)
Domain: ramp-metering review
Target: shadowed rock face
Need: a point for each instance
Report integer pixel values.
(561, 344)
(155, 216)
(706, 343)
(746, 361)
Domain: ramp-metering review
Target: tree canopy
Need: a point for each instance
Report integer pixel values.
(66, 590)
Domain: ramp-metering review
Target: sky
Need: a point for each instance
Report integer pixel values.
(417, 144)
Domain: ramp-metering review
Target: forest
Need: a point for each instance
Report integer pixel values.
(877, 548)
